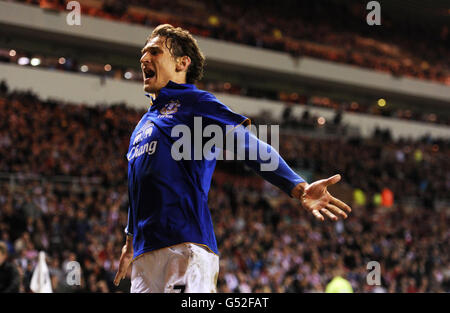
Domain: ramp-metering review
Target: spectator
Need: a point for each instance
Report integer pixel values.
(9, 276)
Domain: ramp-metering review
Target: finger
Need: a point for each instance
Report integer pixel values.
(318, 215)
(118, 278)
(329, 214)
(332, 180)
(340, 204)
(334, 209)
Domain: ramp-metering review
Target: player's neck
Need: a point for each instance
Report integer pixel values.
(179, 79)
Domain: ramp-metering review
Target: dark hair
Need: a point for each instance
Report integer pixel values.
(181, 43)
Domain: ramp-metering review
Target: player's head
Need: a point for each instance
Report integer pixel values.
(170, 53)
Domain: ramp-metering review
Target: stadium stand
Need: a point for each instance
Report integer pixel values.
(299, 29)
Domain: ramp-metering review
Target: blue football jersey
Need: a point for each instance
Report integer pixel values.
(168, 198)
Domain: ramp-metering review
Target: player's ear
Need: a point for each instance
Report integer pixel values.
(183, 63)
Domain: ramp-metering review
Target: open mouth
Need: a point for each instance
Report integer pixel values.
(148, 73)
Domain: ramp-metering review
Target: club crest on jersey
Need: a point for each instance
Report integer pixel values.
(169, 109)
(144, 132)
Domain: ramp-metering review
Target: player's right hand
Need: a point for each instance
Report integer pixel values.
(124, 263)
(316, 199)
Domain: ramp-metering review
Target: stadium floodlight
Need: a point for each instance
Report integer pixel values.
(23, 61)
(35, 61)
(12, 53)
(381, 102)
(108, 67)
(321, 120)
(128, 75)
(84, 68)
(62, 60)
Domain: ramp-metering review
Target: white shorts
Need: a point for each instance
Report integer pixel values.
(185, 267)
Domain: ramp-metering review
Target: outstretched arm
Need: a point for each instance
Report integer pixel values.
(313, 197)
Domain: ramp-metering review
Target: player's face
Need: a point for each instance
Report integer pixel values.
(157, 64)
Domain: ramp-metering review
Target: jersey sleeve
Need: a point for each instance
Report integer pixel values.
(215, 112)
(274, 169)
(129, 227)
(234, 124)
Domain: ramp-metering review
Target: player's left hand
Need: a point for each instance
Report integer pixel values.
(125, 260)
(316, 199)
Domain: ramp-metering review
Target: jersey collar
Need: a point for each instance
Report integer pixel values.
(170, 85)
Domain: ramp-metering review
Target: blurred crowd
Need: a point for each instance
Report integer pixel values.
(53, 138)
(269, 244)
(323, 29)
(63, 191)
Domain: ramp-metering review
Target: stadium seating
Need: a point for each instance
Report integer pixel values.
(335, 38)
